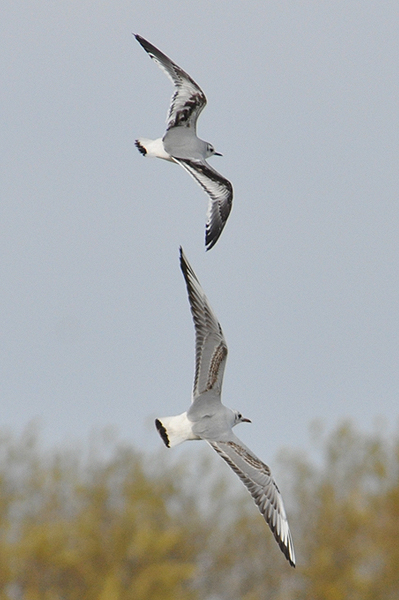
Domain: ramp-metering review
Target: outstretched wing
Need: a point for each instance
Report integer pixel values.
(210, 345)
(188, 99)
(256, 476)
(220, 192)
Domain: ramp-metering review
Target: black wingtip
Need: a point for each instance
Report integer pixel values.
(182, 258)
(285, 549)
(214, 227)
(148, 47)
(140, 39)
(184, 265)
(188, 272)
(287, 556)
(211, 237)
(162, 432)
(210, 246)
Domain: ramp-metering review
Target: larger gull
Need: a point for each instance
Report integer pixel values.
(181, 145)
(208, 419)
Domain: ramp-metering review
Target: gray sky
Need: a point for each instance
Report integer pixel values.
(95, 322)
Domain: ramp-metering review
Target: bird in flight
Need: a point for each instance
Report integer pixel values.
(208, 419)
(181, 145)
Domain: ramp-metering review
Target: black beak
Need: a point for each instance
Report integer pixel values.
(244, 420)
(217, 154)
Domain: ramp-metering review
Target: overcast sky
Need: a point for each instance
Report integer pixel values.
(95, 325)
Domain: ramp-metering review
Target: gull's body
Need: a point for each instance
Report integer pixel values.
(208, 419)
(181, 145)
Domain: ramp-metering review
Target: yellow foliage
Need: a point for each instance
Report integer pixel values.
(114, 527)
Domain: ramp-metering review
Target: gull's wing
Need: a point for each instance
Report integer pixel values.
(188, 99)
(210, 345)
(220, 192)
(256, 476)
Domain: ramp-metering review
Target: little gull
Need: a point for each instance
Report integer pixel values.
(208, 419)
(180, 143)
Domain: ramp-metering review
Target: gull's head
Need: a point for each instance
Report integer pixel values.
(210, 151)
(238, 418)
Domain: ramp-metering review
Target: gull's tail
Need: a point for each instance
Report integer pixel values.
(175, 430)
(152, 148)
(141, 147)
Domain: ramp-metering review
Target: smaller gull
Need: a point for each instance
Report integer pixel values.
(180, 143)
(208, 419)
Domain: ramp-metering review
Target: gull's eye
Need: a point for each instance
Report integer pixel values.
(239, 416)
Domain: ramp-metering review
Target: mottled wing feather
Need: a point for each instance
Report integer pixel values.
(210, 345)
(188, 99)
(220, 192)
(257, 478)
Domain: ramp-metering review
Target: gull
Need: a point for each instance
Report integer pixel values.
(181, 145)
(208, 419)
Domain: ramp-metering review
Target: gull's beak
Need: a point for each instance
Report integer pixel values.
(217, 154)
(244, 420)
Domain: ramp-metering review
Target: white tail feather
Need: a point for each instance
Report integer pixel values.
(153, 148)
(175, 430)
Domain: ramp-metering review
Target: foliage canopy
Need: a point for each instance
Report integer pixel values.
(105, 524)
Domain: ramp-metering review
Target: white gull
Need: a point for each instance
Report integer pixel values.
(180, 143)
(208, 419)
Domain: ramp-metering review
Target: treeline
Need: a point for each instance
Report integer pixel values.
(110, 523)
